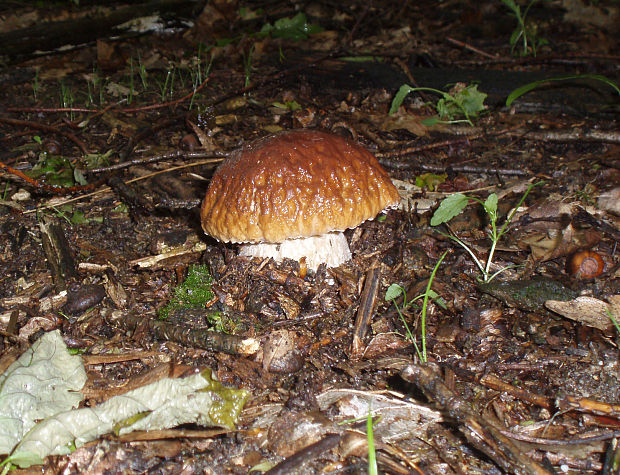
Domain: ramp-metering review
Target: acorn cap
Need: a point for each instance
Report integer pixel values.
(295, 184)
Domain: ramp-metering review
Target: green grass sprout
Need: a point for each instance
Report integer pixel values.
(518, 92)
(394, 291)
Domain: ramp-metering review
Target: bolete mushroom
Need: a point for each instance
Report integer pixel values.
(291, 194)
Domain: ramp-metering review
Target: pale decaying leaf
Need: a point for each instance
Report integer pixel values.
(399, 418)
(399, 120)
(196, 399)
(590, 311)
(549, 233)
(43, 381)
(39, 391)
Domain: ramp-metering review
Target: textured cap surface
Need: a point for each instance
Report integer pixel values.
(295, 184)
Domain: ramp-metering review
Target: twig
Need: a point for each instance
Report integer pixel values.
(59, 190)
(195, 337)
(58, 252)
(445, 143)
(158, 158)
(471, 48)
(478, 432)
(364, 312)
(46, 128)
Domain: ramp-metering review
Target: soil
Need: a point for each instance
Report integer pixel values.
(478, 377)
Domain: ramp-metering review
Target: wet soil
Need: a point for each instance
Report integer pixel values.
(500, 383)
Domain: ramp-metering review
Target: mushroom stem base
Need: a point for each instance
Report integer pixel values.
(331, 249)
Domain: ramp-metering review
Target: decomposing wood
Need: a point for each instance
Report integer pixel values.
(115, 23)
(582, 404)
(365, 310)
(195, 337)
(494, 382)
(480, 433)
(312, 451)
(58, 252)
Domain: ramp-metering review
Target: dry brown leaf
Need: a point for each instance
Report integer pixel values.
(590, 311)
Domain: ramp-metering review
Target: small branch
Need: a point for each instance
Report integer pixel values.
(195, 337)
(460, 44)
(59, 254)
(46, 128)
(365, 310)
(482, 435)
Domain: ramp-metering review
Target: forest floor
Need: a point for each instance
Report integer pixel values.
(107, 146)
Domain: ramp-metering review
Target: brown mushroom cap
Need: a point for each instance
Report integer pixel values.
(295, 184)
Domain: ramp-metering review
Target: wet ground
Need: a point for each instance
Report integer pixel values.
(107, 149)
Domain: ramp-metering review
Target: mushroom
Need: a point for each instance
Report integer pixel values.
(291, 194)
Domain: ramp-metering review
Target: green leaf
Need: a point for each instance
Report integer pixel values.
(518, 92)
(430, 180)
(513, 6)
(490, 205)
(471, 99)
(449, 208)
(24, 459)
(404, 90)
(430, 121)
(79, 218)
(393, 292)
(295, 28)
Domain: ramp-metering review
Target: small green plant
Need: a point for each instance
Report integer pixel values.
(36, 84)
(289, 106)
(165, 86)
(194, 292)
(370, 438)
(142, 73)
(518, 92)
(247, 66)
(56, 170)
(295, 28)
(613, 320)
(66, 98)
(456, 203)
(525, 32)
(461, 101)
(394, 291)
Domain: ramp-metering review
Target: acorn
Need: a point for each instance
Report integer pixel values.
(585, 265)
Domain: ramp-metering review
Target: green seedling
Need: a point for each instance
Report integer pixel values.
(247, 66)
(94, 85)
(36, 84)
(613, 320)
(56, 170)
(142, 73)
(518, 92)
(430, 181)
(456, 203)
(194, 292)
(295, 28)
(70, 215)
(289, 106)
(461, 101)
(165, 86)
(66, 98)
(525, 32)
(370, 438)
(394, 291)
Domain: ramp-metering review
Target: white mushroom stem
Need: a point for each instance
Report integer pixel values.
(331, 249)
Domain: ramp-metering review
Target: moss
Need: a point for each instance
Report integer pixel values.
(194, 292)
